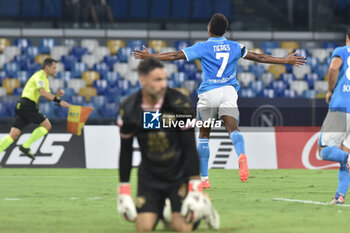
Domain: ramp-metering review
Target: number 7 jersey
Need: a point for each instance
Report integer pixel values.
(218, 58)
(340, 100)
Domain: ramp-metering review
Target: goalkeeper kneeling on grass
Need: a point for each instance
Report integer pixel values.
(170, 163)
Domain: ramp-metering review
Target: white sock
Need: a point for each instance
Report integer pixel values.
(204, 178)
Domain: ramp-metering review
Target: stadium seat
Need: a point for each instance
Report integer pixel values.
(2, 91)
(100, 52)
(112, 77)
(322, 70)
(198, 64)
(178, 78)
(89, 59)
(115, 45)
(21, 60)
(171, 83)
(247, 43)
(290, 46)
(267, 46)
(40, 58)
(268, 93)
(300, 72)
(56, 84)
(287, 78)
(32, 68)
(124, 54)
(303, 52)
(3, 110)
(313, 62)
(247, 93)
(4, 43)
(309, 94)
(68, 61)
(110, 60)
(59, 67)
(311, 78)
(133, 63)
(88, 92)
(136, 44)
(113, 93)
(78, 52)
(69, 43)
(330, 46)
(18, 91)
(3, 75)
(121, 68)
(299, 86)
(90, 44)
(277, 70)
(190, 85)
(328, 61)
(279, 87)
(46, 44)
(89, 77)
(22, 76)
(22, 43)
(181, 44)
(58, 51)
(123, 85)
(64, 75)
(181, 64)
(256, 69)
(240, 69)
(289, 94)
(95, 114)
(167, 50)
(279, 52)
(201, 9)
(11, 69)
(10, 52)
(245, 78)
(321, 86)
(101, 86)
(31, 52)
(101, 68)
(257, 87)
(98, 101)
(110, 110)
(157, 45)
(78, 100)
(78, 68)
(190, 69)
(3, 60)
(160, 9)
(76, 84)
(10, 84)
(245, 63)
(48, 109)
(138, 9)
(321, 54)
(69, 92)
(132, 77)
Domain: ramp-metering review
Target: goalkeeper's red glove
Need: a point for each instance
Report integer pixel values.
(126, 206)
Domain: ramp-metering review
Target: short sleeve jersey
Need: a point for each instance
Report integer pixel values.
(218, 58)
(340, 100)
(34, 84)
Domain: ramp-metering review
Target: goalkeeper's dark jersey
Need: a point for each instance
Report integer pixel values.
(163, 157)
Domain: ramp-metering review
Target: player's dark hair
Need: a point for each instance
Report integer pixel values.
(48, 62)
(148, 65)
(218, 24)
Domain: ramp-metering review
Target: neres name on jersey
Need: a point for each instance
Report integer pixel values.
(222, 47)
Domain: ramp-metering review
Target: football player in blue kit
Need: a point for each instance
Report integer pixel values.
(218, 92)
(334, 141)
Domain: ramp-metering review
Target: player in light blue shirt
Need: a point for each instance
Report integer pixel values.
(218, 91)
(334, 141)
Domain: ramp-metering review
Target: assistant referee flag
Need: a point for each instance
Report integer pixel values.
(77, 116)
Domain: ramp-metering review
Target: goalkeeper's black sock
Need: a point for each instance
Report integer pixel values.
(195, 225)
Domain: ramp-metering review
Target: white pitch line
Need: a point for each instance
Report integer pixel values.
(307, 201)
(94, 198)
(12, 199)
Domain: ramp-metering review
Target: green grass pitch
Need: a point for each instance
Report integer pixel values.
(81, 200)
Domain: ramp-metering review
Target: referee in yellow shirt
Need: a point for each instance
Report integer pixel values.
(27, 111)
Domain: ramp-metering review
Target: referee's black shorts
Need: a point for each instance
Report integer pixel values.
(26, 112)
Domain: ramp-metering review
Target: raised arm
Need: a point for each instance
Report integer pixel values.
(292, 59)
(54, 98)
(333, 72)
(171, 56)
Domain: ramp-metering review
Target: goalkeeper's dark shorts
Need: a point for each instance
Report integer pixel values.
(151, 198)
(26, 112)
